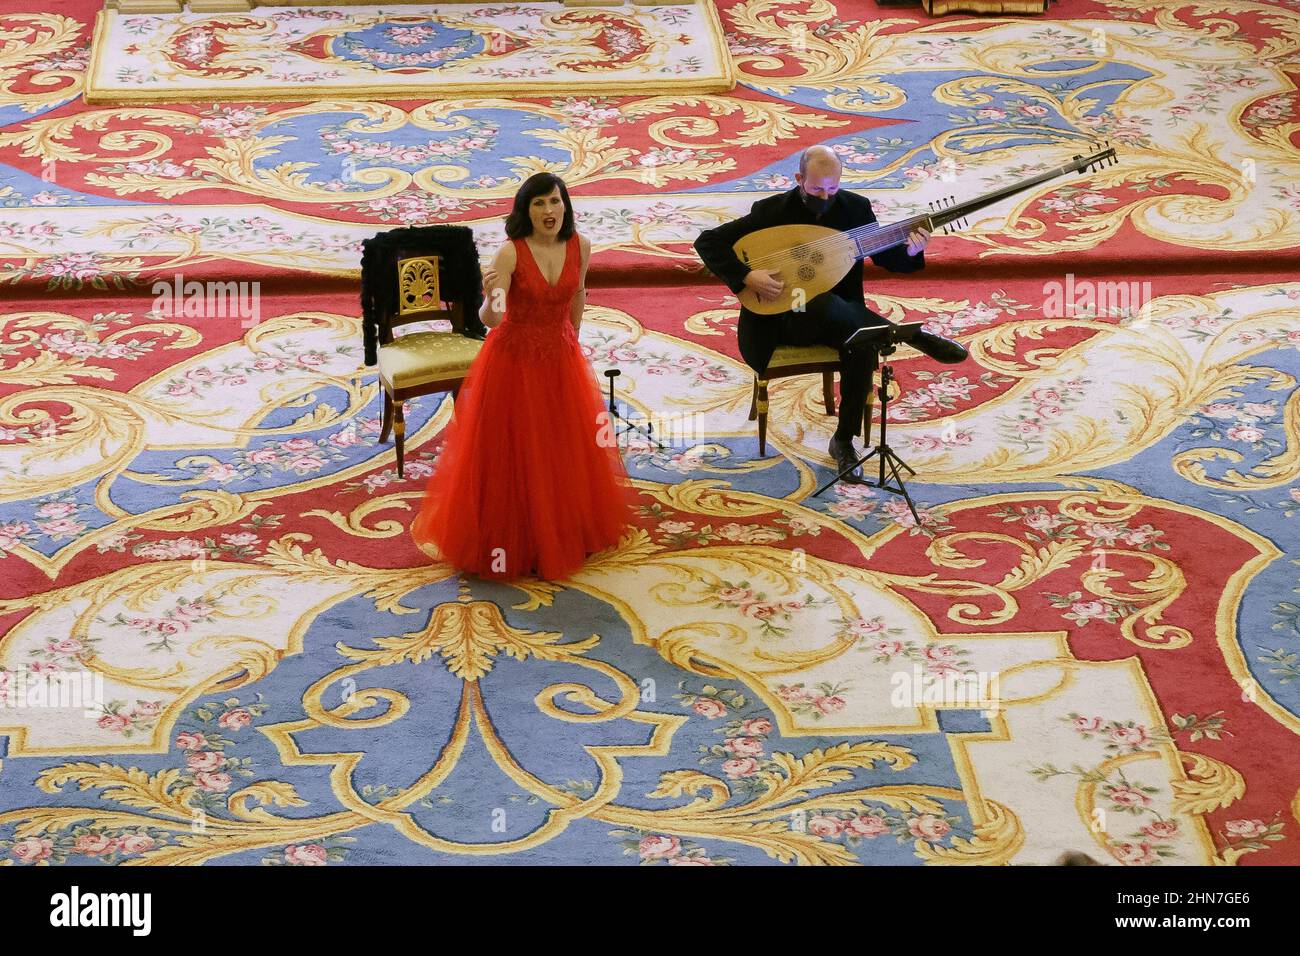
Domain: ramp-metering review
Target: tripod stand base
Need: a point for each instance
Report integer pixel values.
(628, 426)
(888, 459)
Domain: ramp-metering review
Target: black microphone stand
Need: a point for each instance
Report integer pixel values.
(629, 426)
(883, 338)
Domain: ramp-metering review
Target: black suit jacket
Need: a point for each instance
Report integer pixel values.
(759, 335)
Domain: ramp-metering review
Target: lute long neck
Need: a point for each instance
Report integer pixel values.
(875, 237)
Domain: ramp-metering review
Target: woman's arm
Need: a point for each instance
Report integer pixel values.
(496, 283)
(580, 297)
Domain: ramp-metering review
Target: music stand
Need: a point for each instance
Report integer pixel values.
(882, 339)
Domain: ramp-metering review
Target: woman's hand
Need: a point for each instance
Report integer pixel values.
(916, 241)
(489, 279)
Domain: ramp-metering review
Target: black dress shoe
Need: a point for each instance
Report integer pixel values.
(940, 349)
(846, 460)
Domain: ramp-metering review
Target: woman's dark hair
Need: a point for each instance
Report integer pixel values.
(519, 224)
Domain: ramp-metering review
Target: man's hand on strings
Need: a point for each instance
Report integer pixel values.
(764, 283)
(916, 240)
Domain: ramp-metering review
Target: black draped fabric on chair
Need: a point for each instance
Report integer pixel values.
(459, 277)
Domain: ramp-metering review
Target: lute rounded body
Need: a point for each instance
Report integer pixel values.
(809, 259)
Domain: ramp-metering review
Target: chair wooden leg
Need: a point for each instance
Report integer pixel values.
(761, 403)
(753, 401)
(399, 429)
(388, 417)
(828, 391)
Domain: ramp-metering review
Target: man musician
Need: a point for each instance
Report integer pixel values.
(829, 318)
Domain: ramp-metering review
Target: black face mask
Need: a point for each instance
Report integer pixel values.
(816, 204)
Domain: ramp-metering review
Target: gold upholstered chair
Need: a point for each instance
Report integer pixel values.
(423, 362)
(790, 360)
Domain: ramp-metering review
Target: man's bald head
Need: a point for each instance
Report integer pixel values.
(818, 161)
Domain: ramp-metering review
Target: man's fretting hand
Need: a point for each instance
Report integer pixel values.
(764, 283)
(916, 240)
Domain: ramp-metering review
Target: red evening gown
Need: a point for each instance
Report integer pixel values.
(528, 465)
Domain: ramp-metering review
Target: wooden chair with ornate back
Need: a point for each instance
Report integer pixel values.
(420, 274)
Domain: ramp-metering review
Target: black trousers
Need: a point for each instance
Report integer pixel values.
(829, 320)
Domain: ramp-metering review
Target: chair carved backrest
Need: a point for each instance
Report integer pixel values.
(417, 285)
(417, 274)
(419, 297)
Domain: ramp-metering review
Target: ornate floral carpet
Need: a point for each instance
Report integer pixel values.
(298, 53)
(195, 511)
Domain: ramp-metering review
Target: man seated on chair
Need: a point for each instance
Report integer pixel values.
(829, 318)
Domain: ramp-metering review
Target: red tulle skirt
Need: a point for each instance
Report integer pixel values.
(529, 480)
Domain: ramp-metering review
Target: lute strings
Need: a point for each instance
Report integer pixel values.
(870, 230)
